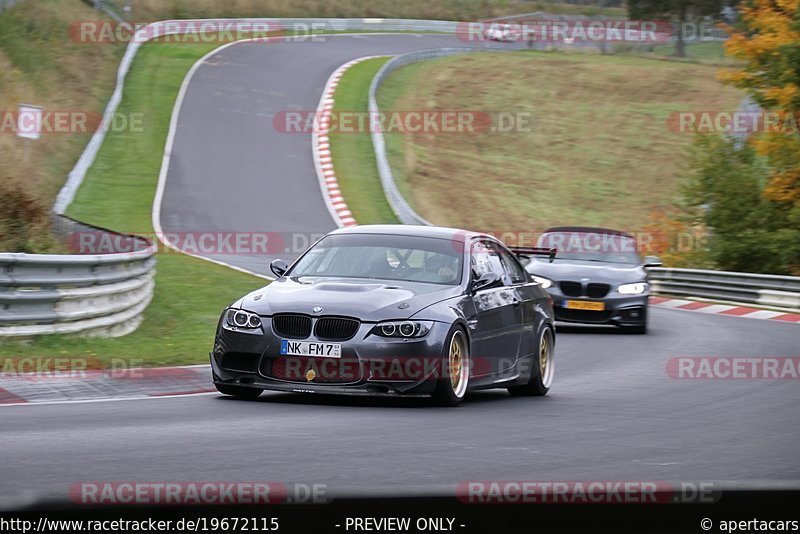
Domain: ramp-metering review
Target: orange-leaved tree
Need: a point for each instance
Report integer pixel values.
(769, 46)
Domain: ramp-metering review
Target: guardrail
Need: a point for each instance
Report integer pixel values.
(94, 294)
(767, 290)
(109, 8)
(397, 202)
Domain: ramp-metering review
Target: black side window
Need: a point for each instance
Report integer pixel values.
(485, 257)
(515, 273)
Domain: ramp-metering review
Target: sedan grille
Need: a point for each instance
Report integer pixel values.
(292, 326)
(571, 289)
(336, 328)
(597, 291)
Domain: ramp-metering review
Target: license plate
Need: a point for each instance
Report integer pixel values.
(311, 348)
(584, 305)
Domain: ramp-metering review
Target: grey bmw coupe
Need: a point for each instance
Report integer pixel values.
(596, 276)
(391, 310)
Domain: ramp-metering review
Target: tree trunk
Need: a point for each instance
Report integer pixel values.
(680, 45)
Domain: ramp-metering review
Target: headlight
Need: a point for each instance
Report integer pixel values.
(544, 282)
(402, 328)
(632, 289)
(242, 319)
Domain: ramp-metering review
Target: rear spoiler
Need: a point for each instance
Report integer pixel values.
(534, 251)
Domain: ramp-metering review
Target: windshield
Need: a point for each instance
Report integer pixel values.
(591, 246)
(381, 256)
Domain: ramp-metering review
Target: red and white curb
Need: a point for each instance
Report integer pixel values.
(96, 386)
(321, 147)
(724, 309)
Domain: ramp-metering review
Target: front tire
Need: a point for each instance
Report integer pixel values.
(451, 387)
(238, 391)
(543, 368)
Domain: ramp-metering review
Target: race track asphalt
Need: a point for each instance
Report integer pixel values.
(614, 413)
(232, 170)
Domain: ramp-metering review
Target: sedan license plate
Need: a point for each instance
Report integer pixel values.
(311, 348)
(584, 305)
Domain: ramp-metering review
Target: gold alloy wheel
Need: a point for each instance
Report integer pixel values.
(546, 367)
(458, 364)
(544, 348)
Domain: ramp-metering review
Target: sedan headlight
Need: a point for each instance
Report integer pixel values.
(632, 289)
(402, 328)
(544, 282)
(242, 319)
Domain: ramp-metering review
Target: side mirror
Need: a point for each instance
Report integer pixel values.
(487, 281)
(279, 267)
(652, 261)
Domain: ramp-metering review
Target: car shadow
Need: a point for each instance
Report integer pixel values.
(318, 399)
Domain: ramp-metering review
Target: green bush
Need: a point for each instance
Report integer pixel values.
(748, 232)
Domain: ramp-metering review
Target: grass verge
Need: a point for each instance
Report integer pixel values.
(599, 153)
(178, 326)
(352, 153)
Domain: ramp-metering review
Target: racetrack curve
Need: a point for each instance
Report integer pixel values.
(613, 413)
(232, 171)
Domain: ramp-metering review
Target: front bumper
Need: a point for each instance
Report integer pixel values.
(618, 310)
(370, 364)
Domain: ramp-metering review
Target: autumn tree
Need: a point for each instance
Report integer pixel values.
(769, 46)
(747, 192)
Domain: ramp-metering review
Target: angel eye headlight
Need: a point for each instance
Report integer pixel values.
(388, 329)
(402, 328)
(542, 281)
(242, 319)
(632, 289)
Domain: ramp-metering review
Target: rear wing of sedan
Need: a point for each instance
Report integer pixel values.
(527, 252)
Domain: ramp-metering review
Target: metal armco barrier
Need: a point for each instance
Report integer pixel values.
(97, 294)
(399, 206)
(767, 290)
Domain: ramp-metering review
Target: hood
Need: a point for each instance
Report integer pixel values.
(368, 300)
(610, 273)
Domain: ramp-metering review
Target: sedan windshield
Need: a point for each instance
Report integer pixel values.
(591, 246)
(385, 257)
